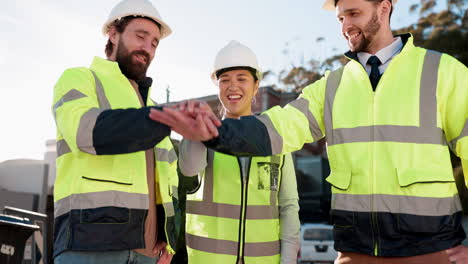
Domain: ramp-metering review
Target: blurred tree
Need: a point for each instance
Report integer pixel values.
(444, 31)
(300, 76)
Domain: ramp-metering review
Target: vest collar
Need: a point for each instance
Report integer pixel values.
(406, 38)
(105, 66)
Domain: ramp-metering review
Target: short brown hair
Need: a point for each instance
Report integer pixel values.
(376, 2)
(120, 25)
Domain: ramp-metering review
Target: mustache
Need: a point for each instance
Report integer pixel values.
(142, 53)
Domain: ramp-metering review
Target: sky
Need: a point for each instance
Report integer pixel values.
(39, 39)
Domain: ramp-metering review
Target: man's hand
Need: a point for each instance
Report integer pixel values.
(160, 250)
(193, 108)
(193, 120)
(458, 255)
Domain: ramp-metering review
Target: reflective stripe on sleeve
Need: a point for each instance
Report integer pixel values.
(84, 137)
(166, 155)
(71, 95)
(62, 148)
(302, 105)
(276, 140)
(464, 133)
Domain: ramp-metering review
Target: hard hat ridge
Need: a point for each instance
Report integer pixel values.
(136, 8)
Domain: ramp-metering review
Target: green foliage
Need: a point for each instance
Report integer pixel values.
(444, 31)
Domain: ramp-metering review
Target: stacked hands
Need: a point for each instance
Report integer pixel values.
(194, 120)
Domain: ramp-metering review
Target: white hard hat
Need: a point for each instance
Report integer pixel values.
(137, 8)
(329, 5)
(235, 54)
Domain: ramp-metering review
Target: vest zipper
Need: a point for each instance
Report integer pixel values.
(243, 216)
(373, 214)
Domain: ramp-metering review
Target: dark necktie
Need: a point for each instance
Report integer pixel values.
(374, 76)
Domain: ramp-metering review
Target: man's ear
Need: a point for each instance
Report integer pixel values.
(386, 8)
(113, 36)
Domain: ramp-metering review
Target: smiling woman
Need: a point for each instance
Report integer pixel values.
(245, 210)
(237, 78)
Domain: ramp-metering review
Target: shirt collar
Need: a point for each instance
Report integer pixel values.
(406, 38)
(384, 54)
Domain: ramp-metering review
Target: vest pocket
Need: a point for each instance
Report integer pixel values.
(426, 227)
(410, 176)
(112, 168)
(340, 179)
(431, 217)
(105, 215)
(268, 176)
(343, 225)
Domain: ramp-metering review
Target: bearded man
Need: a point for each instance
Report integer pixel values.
(116, 185)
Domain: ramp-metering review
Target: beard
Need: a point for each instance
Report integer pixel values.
(132, 69)
(367, 35)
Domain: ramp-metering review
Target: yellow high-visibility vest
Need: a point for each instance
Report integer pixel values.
(234, 218)
(393, 188)
(105, 197)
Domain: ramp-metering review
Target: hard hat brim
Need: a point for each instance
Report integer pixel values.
(258, 72)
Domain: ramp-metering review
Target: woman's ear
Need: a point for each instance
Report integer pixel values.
(256, 86)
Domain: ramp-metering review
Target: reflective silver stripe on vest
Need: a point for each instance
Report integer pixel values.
(261, 249)
(406, 134)
(276, 140)
(84, 137)
(101, 95)
(71, 95)
(211, 245)
(210, 208)
(208, 185)
(79, 201)
(428, 92)
(166, 155)
(168, 209)
(398, 204)
(227, 247)
(426, 133)
(231, 210)
(464, 133)
(302, 105)
(62, 148)
(333, 82)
